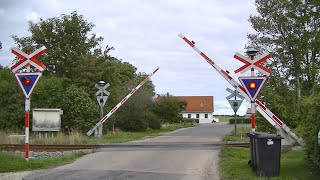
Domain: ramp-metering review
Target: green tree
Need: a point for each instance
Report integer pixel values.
(136, 115)
(75, 62)
(311, 107)
(80, 112)
(49, 92)
(91, 70)
(11, 102)
(168, 108)
(67, 38)
(290, 29)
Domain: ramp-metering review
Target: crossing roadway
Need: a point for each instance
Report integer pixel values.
(190, 153)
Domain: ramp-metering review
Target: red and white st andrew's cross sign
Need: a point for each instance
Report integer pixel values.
(28, 59)
(255, 63)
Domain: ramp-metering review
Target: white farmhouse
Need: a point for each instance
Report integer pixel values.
(198, 107)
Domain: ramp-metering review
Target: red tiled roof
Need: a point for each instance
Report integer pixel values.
(197, 103)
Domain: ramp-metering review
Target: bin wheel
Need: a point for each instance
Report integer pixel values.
(250, 162)
(254, 167)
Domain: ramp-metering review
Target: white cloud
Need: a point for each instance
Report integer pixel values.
(33, 16)
(145, 33)
(2, 11)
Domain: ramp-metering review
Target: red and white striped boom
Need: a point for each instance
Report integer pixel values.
(263, 110)
(113, 110)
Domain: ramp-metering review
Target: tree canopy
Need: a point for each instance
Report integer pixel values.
(289, 29)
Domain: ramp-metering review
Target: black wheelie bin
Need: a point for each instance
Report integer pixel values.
(267, 154)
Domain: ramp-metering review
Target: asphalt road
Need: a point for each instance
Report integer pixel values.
(190, 153)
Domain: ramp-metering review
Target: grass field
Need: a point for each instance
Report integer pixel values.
(224, 118)
(233, 165)
(13, 163)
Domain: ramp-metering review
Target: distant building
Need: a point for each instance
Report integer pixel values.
(198, 107)
(248, 112)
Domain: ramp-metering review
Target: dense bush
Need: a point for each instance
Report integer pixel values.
(80, 112)
(11, 102)
(153, 122)
(168, 108)
(262, 125)
(189, 121)
(240, 120)
(128, 124)
(311, 126)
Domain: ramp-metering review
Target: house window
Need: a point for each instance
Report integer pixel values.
(201, 105)
(189, 115)
(197, 115)
(205, 115)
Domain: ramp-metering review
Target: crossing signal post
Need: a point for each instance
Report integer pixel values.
(273, 119)
(252, 84)
(235, 104)
(27, 81)
(102, 95)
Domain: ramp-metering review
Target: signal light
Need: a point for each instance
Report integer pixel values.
(252, 85)
(26, 81)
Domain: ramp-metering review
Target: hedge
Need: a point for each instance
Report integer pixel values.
(189, 121)
(262, 124)
(240, 120)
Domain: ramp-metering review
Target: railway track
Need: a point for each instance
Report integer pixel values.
(48, 148)
(51, 148)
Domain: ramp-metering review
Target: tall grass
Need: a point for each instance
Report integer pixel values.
(75, 137)
(5, 138)
(72, 139)
(59, 138)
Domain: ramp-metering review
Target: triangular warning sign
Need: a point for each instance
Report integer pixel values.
(102, 100)
(235, 104)
(252, 85)
(27, 82)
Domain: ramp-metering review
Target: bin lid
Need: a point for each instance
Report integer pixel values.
(268, 136)
(252, 134)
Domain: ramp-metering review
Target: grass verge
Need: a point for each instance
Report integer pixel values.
(240, 137)
(12, 163)
(233, 164)
(120, 137)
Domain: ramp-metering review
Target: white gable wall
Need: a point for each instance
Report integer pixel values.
(201, 118)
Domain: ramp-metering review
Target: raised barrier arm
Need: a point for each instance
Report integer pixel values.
(263, 110)
(113, 110)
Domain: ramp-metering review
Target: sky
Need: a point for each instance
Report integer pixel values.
(145, 34)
